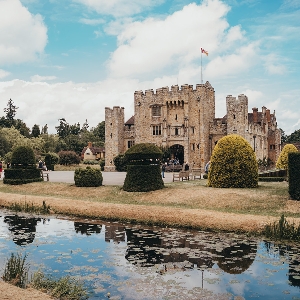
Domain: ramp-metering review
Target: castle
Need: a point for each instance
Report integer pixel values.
(184, 121)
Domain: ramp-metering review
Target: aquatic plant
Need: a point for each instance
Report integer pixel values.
(16, 271)
(66, 288)
(282, 230)
(26, 207)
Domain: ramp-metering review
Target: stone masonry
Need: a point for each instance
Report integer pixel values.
(184, 121)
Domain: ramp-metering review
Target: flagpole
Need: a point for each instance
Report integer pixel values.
(201, 67)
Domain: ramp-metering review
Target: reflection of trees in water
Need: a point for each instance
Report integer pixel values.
(87, 228)
(22, 228)
(147, 248)
(237, 258)
(290, 254)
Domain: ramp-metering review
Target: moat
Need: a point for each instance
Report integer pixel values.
(139, 262)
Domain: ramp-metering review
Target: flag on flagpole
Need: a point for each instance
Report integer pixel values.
(204, 51)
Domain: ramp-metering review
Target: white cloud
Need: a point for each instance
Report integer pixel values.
(23, 35)
(3, 73)
(92, 22)
(119, 8)
(272, 65)
(155, 44)
(231, 64)
(38, 78)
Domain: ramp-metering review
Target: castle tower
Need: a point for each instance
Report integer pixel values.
(237, 115)
(114, 135)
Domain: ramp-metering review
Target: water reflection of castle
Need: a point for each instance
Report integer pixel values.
(175, 248)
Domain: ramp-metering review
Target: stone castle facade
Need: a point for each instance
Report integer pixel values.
(183, 120)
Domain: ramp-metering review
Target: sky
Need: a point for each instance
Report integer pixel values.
(72, 58)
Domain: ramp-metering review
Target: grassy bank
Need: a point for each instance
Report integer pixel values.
(186, 204)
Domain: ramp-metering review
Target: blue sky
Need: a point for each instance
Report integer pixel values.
(71, 59)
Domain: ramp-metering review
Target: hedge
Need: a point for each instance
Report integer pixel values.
(294, 175)
(21, 176)
(271, 179)
(143, 178)
(88, 177)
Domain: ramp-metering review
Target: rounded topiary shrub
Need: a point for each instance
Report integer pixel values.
(23, 156)
(88, 177)
(282, 161)
(233, 164)
(143, 168)
(23, 168)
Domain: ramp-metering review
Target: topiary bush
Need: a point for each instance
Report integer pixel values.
(294, 175)
(120, 163)
(233, 164)
(23, 168)
(88, 177)
(51, 159)
(23, 156)
(282, 161)
(143, 169)
(68, 158)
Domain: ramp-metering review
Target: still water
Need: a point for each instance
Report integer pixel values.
(140, 262)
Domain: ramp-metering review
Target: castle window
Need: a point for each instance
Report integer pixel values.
(193, 130)
(176, 131)
(233, 116)
(193, 147)
(111, 135)
(176, 117)
(130, 144)
(156, 130)
(156, 111)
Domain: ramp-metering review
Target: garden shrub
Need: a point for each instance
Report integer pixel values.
(233, 164)
(68, 158)
(88, 177)
(294, 175)
(102, 164)
(120, 163)
(23, 168)
(143, 169)
(51, 159)
(282, 161)
(23, 156)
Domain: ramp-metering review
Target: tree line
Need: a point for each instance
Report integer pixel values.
(69, 137)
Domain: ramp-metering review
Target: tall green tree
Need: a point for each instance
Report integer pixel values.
(293, 137)
(10, 110)
(63, 129)
(35, 131)
(99, 131)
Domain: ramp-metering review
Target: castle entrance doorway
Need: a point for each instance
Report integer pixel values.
(177, 152)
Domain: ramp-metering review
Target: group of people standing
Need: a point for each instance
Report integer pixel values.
(42, 165)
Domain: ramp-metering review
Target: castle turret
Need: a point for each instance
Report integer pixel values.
(114, 135)
(237, 114)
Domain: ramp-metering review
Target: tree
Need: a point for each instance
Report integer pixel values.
(283, 136)
(293, 137)
(282, 161)
(35, 132)
(233, 164)
(85, 126)
(22, 127)
(11, 110)
(99, 131)
(45, 129)
(63, 129)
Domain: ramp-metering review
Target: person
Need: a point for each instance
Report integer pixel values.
(44, 167)
(163, 169)
(40, 164)
(207, 167)
(186, 166)
(1, 169)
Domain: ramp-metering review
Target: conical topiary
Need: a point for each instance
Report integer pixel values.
(233, 164)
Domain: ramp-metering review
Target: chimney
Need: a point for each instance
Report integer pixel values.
(268, 115)
(90, 145)
(255, 114)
